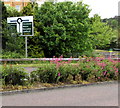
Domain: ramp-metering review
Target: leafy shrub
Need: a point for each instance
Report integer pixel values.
(35, 52)
(100, 69)
(14, 76)
(45, 74)
(9, 54)
(49, 73)
(68, 70)
(90, 69)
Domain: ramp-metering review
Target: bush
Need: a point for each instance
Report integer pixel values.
(68, 70)
(89, 69)
(14, 76)
(9, 54)
(45, 74)
(100, 69)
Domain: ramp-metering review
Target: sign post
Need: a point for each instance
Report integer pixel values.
(26, 54)
(24, 26)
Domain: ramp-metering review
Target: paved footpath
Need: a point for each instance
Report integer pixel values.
(93, 95)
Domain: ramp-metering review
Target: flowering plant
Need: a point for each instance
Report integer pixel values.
(88, 69)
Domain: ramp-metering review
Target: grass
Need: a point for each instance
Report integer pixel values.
(25, 65)
(106, 51)
(29, 65)
(32, 64)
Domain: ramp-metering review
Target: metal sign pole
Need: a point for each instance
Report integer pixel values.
(26, 55)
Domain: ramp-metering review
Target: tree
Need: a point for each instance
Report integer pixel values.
(29, 10)
(4, 11)
(10, 42)
(100, 33)
(114, 23)
(4, 20)
(12, 12)
(62, 28)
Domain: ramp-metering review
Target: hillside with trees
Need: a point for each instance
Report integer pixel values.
(114, 23)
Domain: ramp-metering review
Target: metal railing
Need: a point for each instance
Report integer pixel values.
(46, 59)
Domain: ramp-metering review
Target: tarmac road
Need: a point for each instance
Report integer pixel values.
(30, 69)
(94, 95)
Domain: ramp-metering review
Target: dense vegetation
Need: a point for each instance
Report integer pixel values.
(60, 29)
(87, 70)
(114, 23)
(12, 44)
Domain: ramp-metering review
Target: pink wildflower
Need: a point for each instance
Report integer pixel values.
(59, 74)
(87, 60)
(98, 77)
(102, 64)
(104, 73)
(116, 70)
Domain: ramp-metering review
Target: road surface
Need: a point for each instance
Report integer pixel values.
(30, 69)
(94, 95)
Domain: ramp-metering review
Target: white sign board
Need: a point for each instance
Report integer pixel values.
(23, 25)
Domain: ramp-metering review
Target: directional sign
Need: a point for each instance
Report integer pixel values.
(23, 25)
(12, 27)
(27, 28)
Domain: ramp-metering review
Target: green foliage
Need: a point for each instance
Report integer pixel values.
(14, 76)
(29, 9)
(44, 74)
(11, 41)
(90, 69)
(12, 12)
(62, 28)
(2, 28)
(4, 11)
(114, 23)
(100, 34)
(9, 54)
(34, 50)
(100, 69)
(66, 72)
(34, 53)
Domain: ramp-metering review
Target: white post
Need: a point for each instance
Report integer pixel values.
(26, 55)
